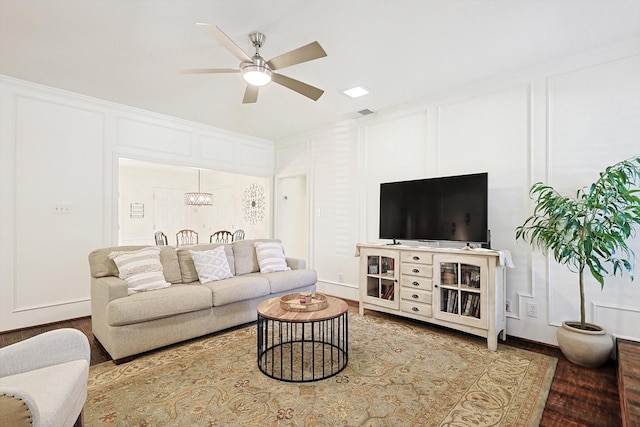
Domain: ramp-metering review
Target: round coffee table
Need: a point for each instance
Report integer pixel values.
(300, 346)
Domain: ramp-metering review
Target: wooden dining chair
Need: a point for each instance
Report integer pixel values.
(238, 235)
(221, 236)
(186, 237)
(161, 238)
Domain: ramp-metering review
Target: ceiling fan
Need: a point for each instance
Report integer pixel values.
(258, 72)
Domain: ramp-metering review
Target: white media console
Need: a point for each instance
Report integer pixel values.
(462, 289)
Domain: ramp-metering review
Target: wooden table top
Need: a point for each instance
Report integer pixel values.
(271, 309)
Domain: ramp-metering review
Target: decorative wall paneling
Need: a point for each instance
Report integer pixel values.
(59, 187)
(334, 206)
(558, 123)
(594, 121)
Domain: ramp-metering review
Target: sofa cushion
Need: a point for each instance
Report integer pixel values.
(244, 253)
(238, 288)
(188, 268)
(211, 265)
(283, 281)
(271, 257)
(144, 306)
(102, 266)
(141, 269)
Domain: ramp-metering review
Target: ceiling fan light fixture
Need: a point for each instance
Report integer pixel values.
(256, 74)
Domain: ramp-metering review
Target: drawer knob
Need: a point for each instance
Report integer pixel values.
(415, 270)
(415, 309)
(416, 284)
(415, 296)
(416, 258)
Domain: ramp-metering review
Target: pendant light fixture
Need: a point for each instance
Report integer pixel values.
(199, 198)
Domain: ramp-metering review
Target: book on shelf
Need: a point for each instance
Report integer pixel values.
(455, 302)
(475, 312)
(467, 305)
(389, 293)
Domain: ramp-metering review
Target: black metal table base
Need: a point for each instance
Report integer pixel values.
(303, 351)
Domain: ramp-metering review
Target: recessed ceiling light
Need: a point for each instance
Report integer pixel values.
(356, 92)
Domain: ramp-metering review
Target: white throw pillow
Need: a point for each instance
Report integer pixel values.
(211, 265)
(271, 257)
(141, 269)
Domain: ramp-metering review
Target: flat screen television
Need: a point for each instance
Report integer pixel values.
(450, 208)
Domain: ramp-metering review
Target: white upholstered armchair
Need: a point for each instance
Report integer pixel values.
(43, 380)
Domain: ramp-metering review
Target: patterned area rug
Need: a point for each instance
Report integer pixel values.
(400, 373)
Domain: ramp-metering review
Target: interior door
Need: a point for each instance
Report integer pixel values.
(168, 212)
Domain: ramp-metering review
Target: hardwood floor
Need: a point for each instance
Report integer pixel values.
(578, 396)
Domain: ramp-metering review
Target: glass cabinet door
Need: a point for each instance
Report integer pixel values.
(460, 290)
(381, 280)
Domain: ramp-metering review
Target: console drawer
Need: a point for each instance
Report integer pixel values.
(416, 308)
(415, 295)
(416, 257)
(416, 282)
(416, 269)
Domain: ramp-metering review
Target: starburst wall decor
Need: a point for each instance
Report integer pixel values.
(253, 204)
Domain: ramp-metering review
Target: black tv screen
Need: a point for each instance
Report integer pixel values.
(451, 208)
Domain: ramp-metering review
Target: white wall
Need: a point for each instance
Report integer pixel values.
(559, 123)
(292, 215)
(59, 187)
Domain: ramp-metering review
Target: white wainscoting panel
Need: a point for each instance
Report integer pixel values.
(621, 320)
(255, 156)
(58, 167)
(492, 133)
(154, 137)
(59, 188)
(395, 151)
(335, 205)
(594, 121)
(216, 149)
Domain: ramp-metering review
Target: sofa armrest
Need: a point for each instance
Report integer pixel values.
(296, 263)
(18, 408)
(47, 349)
(107, 289)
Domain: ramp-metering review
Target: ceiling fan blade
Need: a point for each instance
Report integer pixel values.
(302, 54)
(210, 70)
(217, 34)
(296, 85)
(250, 95)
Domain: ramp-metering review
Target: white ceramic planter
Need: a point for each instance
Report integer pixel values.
(585, 348)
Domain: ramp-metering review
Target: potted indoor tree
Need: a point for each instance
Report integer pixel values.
(588, 233)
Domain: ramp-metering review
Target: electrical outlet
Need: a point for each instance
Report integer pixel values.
(507, 306)
(532, 309)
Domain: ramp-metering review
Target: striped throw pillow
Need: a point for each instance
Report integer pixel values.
(271, 257)
(141, 269)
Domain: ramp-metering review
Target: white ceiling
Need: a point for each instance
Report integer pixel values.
(131, 52)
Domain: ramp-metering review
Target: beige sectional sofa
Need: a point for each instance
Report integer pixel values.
(127, 324)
